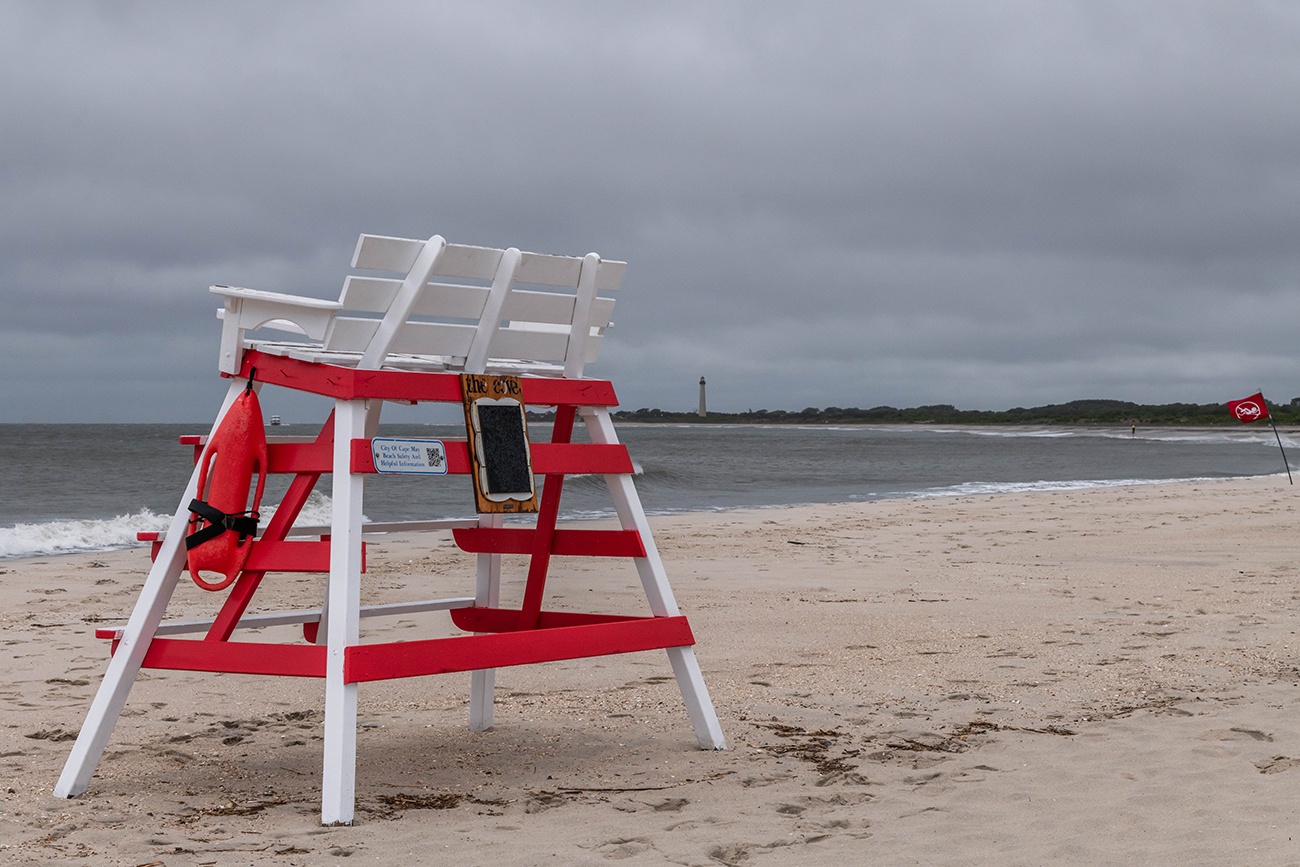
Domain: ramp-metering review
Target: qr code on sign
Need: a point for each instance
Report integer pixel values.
(433, 456)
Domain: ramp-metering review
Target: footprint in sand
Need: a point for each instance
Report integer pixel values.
(1277, 764)
(1236, 733)
(617, 850)
(672, 805)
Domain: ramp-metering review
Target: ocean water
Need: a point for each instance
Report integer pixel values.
(67, 488)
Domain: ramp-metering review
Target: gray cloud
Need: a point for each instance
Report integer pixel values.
(985, 204)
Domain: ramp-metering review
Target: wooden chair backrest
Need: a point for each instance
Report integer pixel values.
(474, 305)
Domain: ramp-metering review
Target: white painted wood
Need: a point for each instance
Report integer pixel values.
(400, 310)
(487, 593)
(310, 615)
(379, 253)
(448, 301)
(490, 318)
(695, 695)
(249, 309)
(369, 528)
(349, 359)
(454, 301)
(527, 342)
(338, 784)
(548, 270)
(382, 253)
(575, 354)
(659, 594)
(421, 323)
(140, 629)
(528, 306)
(442, 339)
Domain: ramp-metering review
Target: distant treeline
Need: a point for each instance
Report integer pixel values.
(1096, 412)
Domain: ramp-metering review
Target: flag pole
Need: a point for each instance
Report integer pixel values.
(1279, 446)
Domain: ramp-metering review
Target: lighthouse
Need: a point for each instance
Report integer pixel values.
(702, 411)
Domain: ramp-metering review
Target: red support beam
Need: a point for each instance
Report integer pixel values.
(368, 662)
(348, 383)
(544, 533)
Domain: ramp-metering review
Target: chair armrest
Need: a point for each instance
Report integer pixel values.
(249, 309)
(297, 302)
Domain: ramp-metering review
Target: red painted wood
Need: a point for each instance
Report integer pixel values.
(507, 619)
(581, 458)
(349, 383)
(236, 657)
(155, 544)
(567, 543)
(197, 441)
(544, 532)
(269, 555)
(317, 457)
(367, 662)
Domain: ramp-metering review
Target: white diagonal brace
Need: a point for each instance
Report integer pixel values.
(136, 637)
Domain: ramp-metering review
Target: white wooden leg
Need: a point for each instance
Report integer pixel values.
(699, 707)
(338, 783)
(487, 591)
(136, 636)
(372, 427)
(322, 626)
(654, 580)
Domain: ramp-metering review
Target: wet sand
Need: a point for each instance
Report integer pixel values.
(1093, 677)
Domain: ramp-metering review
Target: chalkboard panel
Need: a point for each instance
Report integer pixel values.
(505, 449)
(498, 439)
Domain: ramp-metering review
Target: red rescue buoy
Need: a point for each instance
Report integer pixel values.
(222, 526)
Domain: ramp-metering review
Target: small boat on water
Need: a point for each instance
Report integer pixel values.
(275, 421)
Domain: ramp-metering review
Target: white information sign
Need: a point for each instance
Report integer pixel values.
(420, 457)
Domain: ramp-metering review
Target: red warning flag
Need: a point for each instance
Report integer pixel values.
(1248, 409)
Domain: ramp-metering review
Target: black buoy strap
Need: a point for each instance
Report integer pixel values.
(243, 523)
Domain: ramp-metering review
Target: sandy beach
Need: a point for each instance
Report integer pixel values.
(1106, 676)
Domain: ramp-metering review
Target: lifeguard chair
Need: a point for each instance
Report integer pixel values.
(445, 317)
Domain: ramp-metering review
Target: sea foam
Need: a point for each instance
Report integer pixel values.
(111, 534)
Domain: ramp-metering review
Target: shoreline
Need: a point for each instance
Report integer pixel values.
(1093, 676)
(128, 525)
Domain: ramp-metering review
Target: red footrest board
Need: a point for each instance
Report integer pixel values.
(507, 619)
(560, 635)
(366, 662)
(571, 543)
(235, 657)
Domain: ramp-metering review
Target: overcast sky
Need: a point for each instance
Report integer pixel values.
(988, 204)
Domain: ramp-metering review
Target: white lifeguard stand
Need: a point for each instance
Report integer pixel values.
(450, 309)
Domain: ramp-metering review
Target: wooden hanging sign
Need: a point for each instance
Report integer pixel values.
(497, 430)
